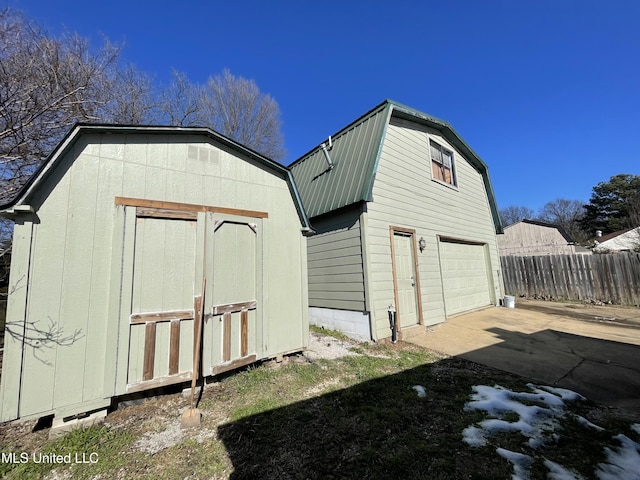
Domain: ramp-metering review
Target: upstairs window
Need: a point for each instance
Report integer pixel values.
(442, 164)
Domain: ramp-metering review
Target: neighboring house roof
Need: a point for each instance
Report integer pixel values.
(355, 154)
(544, 224)
(536, 237)
(622, 240)
(80, 129)
(609, 236)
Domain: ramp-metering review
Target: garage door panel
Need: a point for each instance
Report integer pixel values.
(464, 276)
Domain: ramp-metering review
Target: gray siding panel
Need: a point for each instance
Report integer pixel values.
(336, 277)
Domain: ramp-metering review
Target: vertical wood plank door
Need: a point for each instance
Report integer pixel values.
(163, 290)
(406, 279)
(232, 298)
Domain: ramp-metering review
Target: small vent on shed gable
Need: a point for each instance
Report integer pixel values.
(203, 154)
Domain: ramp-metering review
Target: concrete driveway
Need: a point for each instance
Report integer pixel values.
(593, 350)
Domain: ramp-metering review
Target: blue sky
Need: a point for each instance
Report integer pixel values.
(546, 92)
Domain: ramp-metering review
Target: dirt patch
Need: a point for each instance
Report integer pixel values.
(322, 346)
(608, 314)
(157, 419)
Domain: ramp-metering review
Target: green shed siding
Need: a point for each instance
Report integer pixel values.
(405, 195)
(336, 275)
(15, 328)
(77, 259)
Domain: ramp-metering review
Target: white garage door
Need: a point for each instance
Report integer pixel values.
(464, 276)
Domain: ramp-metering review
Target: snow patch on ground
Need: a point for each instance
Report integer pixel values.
(538, 412)
(587, 423)
(623, 462)
(521, 463)
(420, 390)
(558, 472)
(536, 419)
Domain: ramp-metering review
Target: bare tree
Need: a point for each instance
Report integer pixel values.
(182, 102)
(566, 214)
(232, 106)
(131, 97)
(514, 213)
(236, 108)
(46, 85)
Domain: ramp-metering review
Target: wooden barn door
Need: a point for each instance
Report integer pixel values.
(162, 299)
(168, 250)
(233, 262)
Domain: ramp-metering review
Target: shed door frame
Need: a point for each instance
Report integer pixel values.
(411, 233)
(218, 317)
(124, 242)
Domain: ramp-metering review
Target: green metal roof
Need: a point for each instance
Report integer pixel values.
(355, 154)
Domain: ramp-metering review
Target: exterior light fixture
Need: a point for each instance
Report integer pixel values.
(422, 243)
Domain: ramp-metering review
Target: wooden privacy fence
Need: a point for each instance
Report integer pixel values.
(613, 278)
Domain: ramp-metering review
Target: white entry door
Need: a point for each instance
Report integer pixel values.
(405, 279)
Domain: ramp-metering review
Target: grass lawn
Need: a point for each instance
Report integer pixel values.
(353, 417)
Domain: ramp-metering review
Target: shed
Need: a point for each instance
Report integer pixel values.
(113, 238)
(405, 219)
(534, 237)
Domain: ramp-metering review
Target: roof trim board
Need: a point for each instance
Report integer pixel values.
(368, 193)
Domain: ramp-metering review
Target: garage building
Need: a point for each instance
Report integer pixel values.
(405, 220)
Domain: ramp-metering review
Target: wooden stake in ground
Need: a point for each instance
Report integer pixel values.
(192, 416)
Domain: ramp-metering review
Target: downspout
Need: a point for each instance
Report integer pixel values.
(393, 325)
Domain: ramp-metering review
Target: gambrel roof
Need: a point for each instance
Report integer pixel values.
(80, 129)
(540, 223)
(355, 154)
